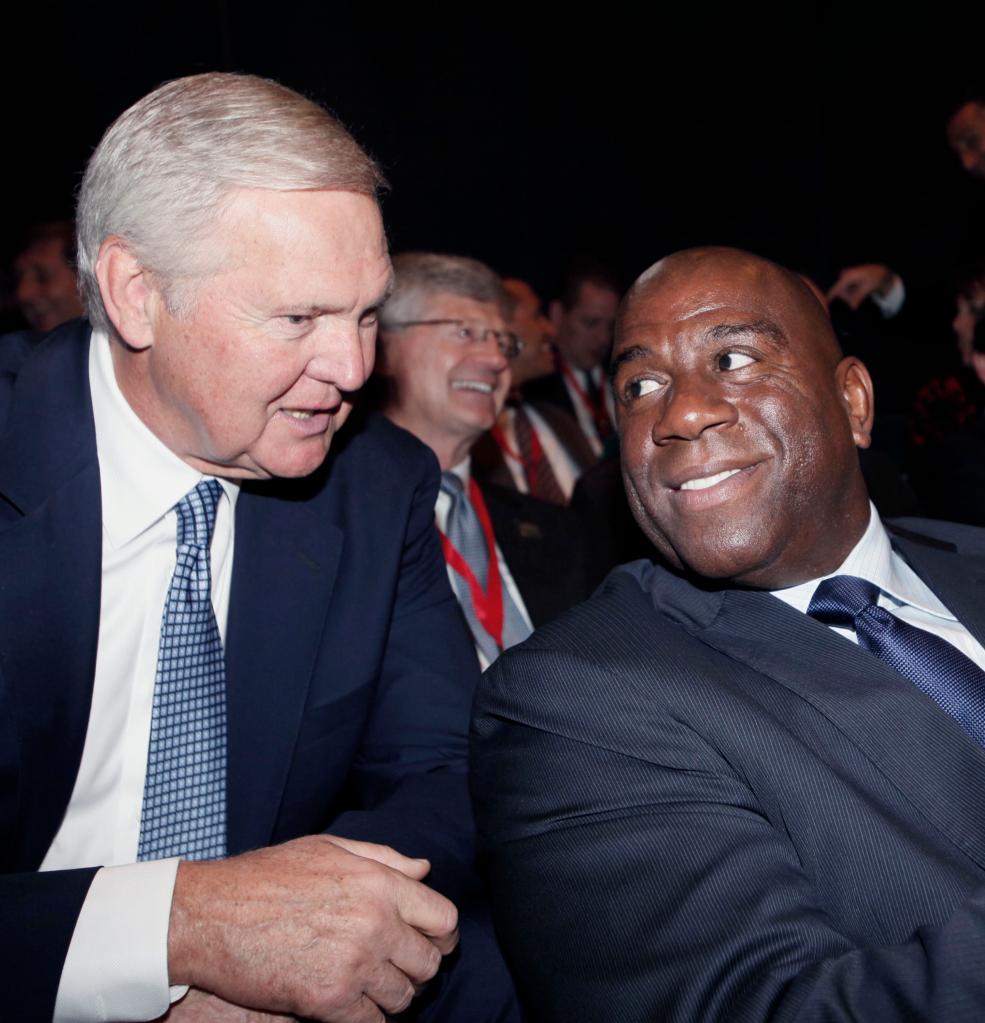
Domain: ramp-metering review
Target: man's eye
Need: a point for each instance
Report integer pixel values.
(296, 319)
(734, 360)
(640, 388)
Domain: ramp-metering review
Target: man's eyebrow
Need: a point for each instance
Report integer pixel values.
(630, 354)
(764, 328)
(387, 291)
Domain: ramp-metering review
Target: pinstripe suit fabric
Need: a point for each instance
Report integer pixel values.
(701, 805)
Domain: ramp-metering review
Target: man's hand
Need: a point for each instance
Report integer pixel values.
(322, 927)
(856, 283)
(201, 1007)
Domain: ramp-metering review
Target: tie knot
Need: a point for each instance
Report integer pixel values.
(838, 600)
(196, 514)
(452, 485)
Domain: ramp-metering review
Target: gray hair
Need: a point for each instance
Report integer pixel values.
(422, 275)
(162, 173)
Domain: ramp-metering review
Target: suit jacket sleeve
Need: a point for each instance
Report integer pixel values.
(409, 775)
(37, 917)
(635, 877)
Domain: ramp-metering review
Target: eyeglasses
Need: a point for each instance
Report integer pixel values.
(468, 332)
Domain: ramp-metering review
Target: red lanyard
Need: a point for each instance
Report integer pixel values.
(597, 411)
(592, 407)
(531, 468)
(488, 602)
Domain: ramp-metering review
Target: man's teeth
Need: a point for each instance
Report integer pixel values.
(708, 481)
(472, 385)
(296, 413)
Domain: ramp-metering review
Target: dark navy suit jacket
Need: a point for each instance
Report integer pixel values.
(701, 805)
(349, 674)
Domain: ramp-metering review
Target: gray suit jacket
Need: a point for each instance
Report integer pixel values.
(698, 804)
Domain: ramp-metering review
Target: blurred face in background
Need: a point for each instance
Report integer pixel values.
(45, 288)
(535, 330)
(966, 136)
(584, 332)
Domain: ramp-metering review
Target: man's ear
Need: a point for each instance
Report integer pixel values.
(855, 389)
(555, 313)
(128, 293)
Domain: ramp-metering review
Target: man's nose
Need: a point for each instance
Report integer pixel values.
(491, 354)
(343, 356)
(693, 405)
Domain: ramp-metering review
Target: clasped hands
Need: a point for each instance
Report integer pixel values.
(322, 927)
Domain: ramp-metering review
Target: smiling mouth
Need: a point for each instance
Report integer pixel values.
(704, 482)
(472, 385)
(714, 486)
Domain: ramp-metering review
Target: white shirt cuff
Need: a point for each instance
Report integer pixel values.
(891, 303)
(117, 962)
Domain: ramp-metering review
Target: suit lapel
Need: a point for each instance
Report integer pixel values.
(51, 550)
(903, 733)
(284, 569)
(569, 434)
(961, 591)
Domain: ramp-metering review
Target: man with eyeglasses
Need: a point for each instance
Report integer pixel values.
(445, 349)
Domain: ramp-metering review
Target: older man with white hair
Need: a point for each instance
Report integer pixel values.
(215, 633)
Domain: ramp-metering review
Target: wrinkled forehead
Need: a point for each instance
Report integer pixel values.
(677, 294)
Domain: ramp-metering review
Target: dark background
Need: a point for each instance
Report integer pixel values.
(528, 136)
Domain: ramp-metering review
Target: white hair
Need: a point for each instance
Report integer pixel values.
(419, 276)
(161, 175)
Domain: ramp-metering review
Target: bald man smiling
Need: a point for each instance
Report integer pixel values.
(745, 783)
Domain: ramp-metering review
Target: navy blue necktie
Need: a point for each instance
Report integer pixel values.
(184, 808)
(940, 670)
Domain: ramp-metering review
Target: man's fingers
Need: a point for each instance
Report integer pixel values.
(390, 989)
(363, 1011)
(416, 956)
(423, 908)
(406, 865)
(316, 894)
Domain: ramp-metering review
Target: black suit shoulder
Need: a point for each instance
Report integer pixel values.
(956, 536)
(545, 547)
(549, 389)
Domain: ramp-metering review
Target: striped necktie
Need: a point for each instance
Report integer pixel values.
(936, 667)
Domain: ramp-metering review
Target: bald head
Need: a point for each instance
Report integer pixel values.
(739, 420)
(698, 276)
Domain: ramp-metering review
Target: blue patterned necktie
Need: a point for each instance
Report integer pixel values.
(940, 670)
(184, 809)
(465, 533)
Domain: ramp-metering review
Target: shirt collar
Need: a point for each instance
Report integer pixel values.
(463, 470)
(141, 479)
(583, 375)
(874, 559)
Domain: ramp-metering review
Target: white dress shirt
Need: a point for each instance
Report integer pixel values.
(441, 508)
(904, 594)
(116, 968)
(562, 464)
